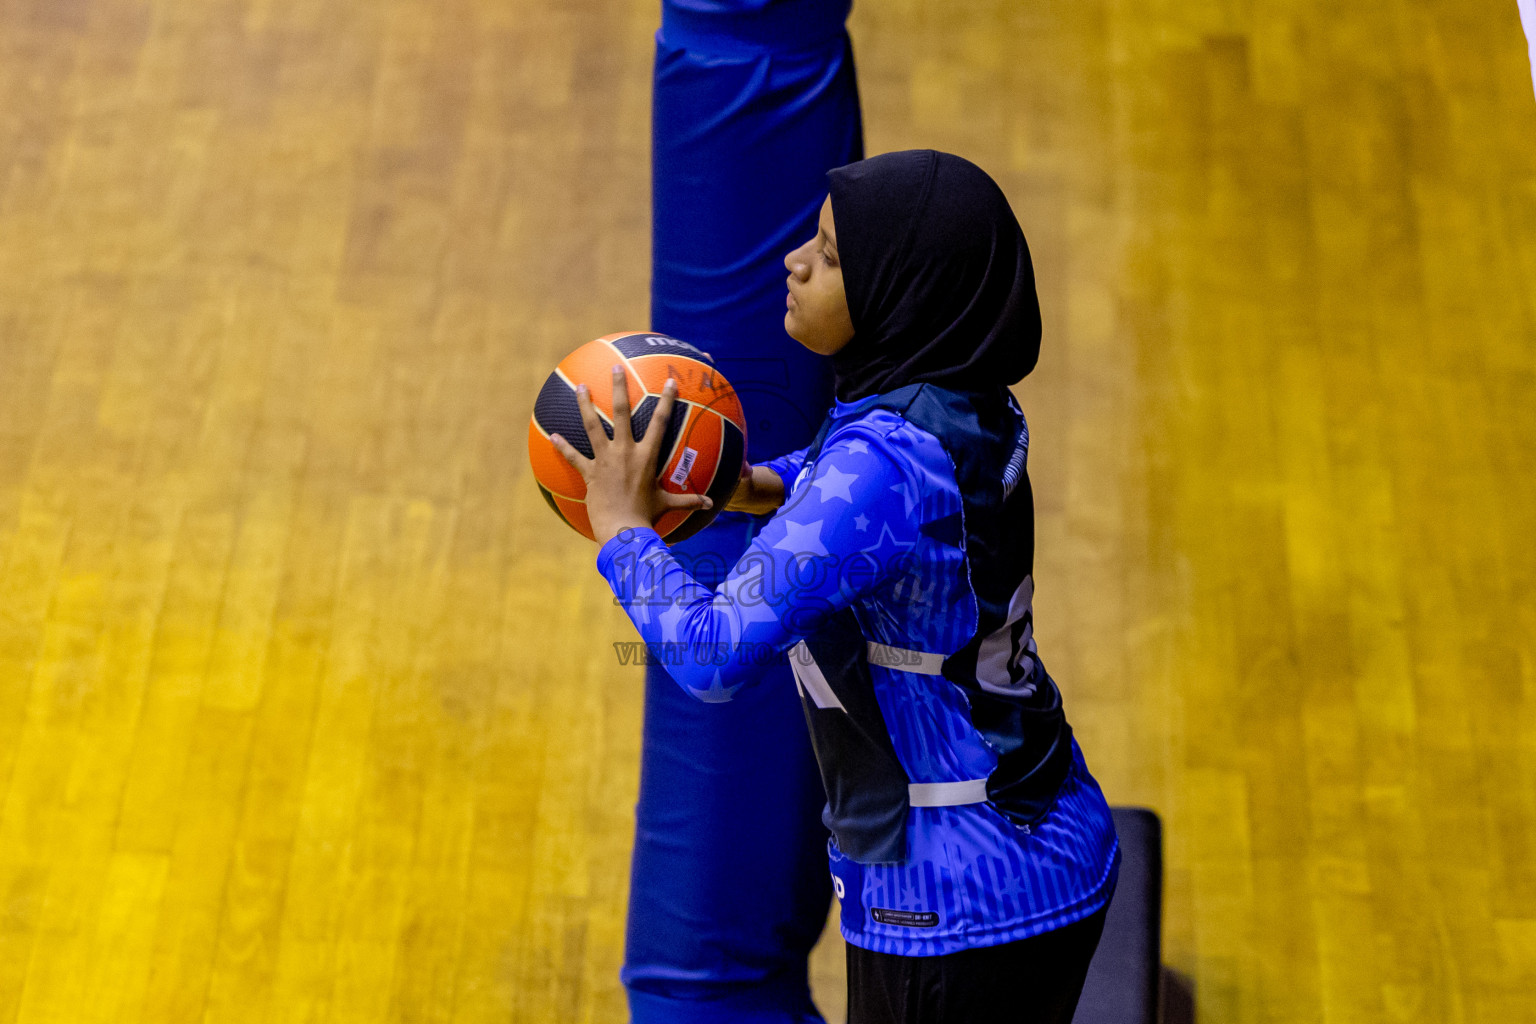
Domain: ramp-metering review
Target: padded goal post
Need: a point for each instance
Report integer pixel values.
(754, 101)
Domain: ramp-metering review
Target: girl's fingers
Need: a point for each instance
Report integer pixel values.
(571, 455)
(622, 431)
(660, 417)
(671, 501)
(590, 419)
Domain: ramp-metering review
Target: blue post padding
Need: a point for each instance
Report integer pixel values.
(742, 139)
(754, 101)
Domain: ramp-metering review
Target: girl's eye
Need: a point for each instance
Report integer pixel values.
(827, 259)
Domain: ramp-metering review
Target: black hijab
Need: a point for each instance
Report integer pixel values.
(937, 274)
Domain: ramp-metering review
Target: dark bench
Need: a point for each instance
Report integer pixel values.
(1125, 976)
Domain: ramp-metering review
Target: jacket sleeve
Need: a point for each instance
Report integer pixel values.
(788, 467)
(844, 532)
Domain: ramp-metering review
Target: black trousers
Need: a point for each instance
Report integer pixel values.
(1034, 981)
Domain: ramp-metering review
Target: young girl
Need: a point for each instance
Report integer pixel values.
(972, 850)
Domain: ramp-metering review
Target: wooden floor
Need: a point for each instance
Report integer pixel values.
(307, 708)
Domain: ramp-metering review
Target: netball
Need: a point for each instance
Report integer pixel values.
(702, 450)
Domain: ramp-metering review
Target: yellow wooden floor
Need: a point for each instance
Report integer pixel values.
(307, 708)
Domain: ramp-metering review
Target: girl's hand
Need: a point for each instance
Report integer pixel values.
(759, 491)
(621, 476)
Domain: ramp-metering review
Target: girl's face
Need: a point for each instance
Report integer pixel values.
(817, 315)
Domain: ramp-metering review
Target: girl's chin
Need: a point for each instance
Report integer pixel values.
(789, 326)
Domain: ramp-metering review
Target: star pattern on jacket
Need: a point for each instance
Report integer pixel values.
(811, 559)
(718, 692)
(801, 539)
(834, 483)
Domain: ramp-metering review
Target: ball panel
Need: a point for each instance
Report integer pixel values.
(592, 364)
(697, 381)
(550, 468)
(549, 499)
(640, 421)
(695, 522)
(728, 405)
(669, 460)
(692, 465)
(575, 513)
(639, 343)
(670, 521)
(723, 483)
(557, 412)
(733, 450)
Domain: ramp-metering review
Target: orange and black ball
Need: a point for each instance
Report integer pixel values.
(703, 448)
